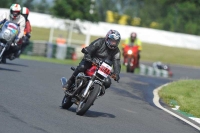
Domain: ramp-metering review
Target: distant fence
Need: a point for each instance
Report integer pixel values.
(51, 50)
(46, 49)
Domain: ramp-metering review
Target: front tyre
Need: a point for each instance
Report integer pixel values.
(85, 104)
(129, 68)
(1, 48)
(66, 102)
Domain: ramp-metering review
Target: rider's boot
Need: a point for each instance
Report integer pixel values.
(71, 80)
(69, 83)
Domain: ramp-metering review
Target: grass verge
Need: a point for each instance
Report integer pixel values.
(186, 93)
(59, 61)
(170, 55)
(51, 60)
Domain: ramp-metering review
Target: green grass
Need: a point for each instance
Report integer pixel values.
(40, 34)
(51, 60)
(186, 93)
(43, 34)
(59, 61)
(170, 55)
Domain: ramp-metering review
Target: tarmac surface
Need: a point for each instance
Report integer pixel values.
(31, 95)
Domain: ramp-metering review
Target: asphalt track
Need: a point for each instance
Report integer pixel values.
(31, 94)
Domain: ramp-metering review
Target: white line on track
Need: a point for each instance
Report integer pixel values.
(157, 103)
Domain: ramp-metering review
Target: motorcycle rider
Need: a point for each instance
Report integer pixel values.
(133, 40)
(14, 16)
(24, 41)
(102, 48)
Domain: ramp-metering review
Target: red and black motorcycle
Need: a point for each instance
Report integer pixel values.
(130, 54)
(87, 87)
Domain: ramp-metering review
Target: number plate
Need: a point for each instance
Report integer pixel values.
(104, 69)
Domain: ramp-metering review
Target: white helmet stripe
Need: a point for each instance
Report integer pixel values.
(24, 11)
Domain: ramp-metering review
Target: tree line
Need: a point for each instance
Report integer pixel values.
(171, 15)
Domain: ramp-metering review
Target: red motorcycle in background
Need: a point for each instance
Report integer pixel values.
(130, 54)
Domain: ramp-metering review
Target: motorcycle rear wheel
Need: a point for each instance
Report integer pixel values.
(66, 102)
(85, 104)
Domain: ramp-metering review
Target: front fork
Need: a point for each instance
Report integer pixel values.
(87, 88)
(2, 51)
(4, 47)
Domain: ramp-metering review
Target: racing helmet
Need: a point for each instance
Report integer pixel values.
(25, 12)
(133, 36)
(15, 10)
(113, 39)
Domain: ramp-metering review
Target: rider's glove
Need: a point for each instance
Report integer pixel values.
(28, 35)
(87, 57)
(117, 77)
(3, 21)
(96, 60)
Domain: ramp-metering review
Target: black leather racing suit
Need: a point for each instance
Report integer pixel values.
(98, 49)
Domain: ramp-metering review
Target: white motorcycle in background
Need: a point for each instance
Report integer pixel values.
(8, 33)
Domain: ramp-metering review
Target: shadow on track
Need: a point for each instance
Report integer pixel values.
(11, 70)
(90, 113)
(125, 93)
(16, 64)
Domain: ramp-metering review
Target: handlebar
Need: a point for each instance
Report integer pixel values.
(91, 61)
(112, 75)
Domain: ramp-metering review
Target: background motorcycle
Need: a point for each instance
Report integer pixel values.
(87, 87)
(8, 32)
(130, 57)
(161, 66)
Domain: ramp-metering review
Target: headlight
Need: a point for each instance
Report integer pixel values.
(130, 51)
(7, 35)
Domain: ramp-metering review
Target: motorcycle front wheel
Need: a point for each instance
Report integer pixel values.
(1, 48)
(129, 68)
(85, 104)
(66, 102)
